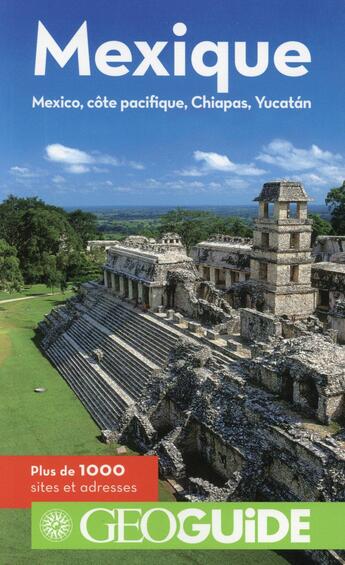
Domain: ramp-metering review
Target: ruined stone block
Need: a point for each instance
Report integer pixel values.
(178, 318)
(257, 326)
(233, 345)
(194, 327)
(211, 334)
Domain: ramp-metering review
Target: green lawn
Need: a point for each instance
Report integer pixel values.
(56, 423)
(34, 290)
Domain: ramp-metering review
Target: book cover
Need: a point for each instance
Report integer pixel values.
(172, 282)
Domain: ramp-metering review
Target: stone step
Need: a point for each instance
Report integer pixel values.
(88, 376)
(134, 354)
(126, 313)
(97, 339)
(102, 401)
(124, 369)
(94, 400)
(147, 346)
(114, 343)
(99, 374)
(82, 390)
(162, 328)
(153, 343)
(131, 325)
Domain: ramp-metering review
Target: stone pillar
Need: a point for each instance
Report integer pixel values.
(122, 285)
(117, 284)
(213, 275)
(140, 293)
(105, 279)
(130, 289)
(227, 278)
(242, 276)
(263, 209)
(155, 297)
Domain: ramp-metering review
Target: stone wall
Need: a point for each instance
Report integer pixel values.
(199, 300)
(223, 260)
(336, 319)
(257, 326)
(244, 443)
(328, 247)
(308, 371)
(328, 276)
(299, 305)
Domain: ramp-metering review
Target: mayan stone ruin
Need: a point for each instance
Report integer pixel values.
(228, 363)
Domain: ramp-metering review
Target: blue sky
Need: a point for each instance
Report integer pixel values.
(104, 157)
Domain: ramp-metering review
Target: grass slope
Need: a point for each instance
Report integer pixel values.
(55, 423)
(34, 290)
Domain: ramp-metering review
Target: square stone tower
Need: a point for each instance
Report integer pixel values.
(281, 257)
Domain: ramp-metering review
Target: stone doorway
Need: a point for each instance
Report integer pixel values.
(287, 386)
(146, 296)
(309, 394)
(135, 291)
(125, 286)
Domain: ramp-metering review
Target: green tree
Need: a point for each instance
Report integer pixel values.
(85, 225)
(10, 275)
(233, 225)
(12, 211)
(320, 227)
(46, 233)
(38, 230)
(335, 200)
(52, 277)
(63, 285)
(197, 225)
(89, 268)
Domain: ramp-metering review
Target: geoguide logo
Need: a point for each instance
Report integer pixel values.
(56, 525)
(182, 525)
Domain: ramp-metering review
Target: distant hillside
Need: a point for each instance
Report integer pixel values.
(154, 212)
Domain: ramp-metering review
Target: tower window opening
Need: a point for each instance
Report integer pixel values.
(293, 210)
(268, 210)
(294, 241)
(324, 299)
(294, 273)
(265, 240)
(263, 271)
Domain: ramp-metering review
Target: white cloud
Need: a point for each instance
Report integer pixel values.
(24, 172)
(191, 172)
(215, 162)
(78, 169)
(67, 155)
(58, 179)
(100, 170)
(78, 162)
(285, 155)
(313, 165)
(133, 165)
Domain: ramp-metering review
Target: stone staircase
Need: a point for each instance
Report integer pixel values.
(121, 363)
(110, 352)
(132, 348)
(135, 328)
(104, 402)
